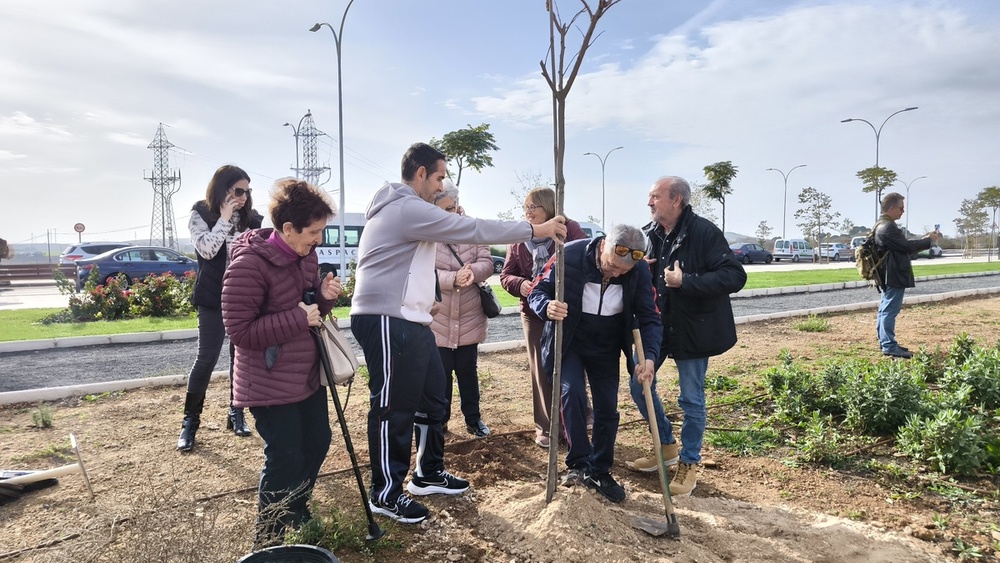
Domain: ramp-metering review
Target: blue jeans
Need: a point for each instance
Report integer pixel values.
(691, 375)
(888, 309)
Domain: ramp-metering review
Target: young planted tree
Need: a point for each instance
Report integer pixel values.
(467, 148)
(815, 215)
(876, 179)
(971, 224)
(990, 197)
(560, 71)
(720, 176)
(763, 233)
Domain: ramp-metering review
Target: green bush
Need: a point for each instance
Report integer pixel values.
(821, 443)
(879, 397)
(963, 347)
(798, 393)
(813, 323)
(160, 296)
(981, 373)
(951, 439)
(156, 296)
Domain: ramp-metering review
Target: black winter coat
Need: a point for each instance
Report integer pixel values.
(698, 316)
(896, 270)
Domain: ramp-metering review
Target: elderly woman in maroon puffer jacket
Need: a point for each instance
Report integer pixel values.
(276, 371)
(459, 323)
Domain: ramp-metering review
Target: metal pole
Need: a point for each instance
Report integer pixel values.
(907, 184)
(338, 40)
(878, 133)
(295, 132)
(784, 201)
(604, 224)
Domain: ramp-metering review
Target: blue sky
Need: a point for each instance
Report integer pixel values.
(678, 84)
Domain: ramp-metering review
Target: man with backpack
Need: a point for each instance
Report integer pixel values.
(895, 273)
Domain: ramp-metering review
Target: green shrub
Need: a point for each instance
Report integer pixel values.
(813, 323)
(879, 397)
(951, 440)
(961, 348)
(981, 373)
(798, 393)
(821, 442)
(42, 417)
(154, 296)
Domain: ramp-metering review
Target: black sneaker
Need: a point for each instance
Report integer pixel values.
(403, 509)
(444, 483)
(573, 477)
(898, 353)
(479, 429)
(606, 485)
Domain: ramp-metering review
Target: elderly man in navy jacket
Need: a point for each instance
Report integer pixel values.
(608, 289)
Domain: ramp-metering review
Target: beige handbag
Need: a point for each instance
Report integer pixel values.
(336, 356)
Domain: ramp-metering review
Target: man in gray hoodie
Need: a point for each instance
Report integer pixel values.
(391, 316)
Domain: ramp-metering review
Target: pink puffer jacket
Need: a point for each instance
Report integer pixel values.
(459, 320)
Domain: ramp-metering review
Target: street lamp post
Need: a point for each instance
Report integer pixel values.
(907, 184)
(295, 133)
(603, 161)
(784, 201)
(338, 39)
(878, 133)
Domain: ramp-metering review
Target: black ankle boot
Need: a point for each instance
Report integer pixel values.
(193, 404)
(237, 423)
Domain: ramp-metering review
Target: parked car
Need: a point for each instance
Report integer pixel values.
(794, 249)
(134, 263)
(497, 263)
(749, 253)
(932, 252)
(834, 251)
(83, 250)
(591, 229)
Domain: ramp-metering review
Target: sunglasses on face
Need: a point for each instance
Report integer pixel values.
(625, 251)
(240, 192)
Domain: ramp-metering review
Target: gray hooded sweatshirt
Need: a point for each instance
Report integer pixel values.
(396, 254)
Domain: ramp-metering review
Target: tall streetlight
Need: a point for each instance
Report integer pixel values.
(907, 184)
(295, 133)
(878, 133)
(784, 201)
(338, 38)
(603, 160)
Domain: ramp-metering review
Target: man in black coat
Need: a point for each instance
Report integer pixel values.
(694, 271)
(895, 273)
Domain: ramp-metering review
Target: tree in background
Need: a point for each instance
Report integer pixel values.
(720, 177)
(4, 249)
(701, 205)
(763, 233)
(971, 224)
(990, 197)
(816, 214)
(467, 148)
(525, 183)
(876, 179)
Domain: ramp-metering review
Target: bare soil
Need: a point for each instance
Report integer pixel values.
(155, 504)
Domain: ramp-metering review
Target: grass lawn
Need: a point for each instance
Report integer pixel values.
(24, 324)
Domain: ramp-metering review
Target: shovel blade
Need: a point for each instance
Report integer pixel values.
(657, 528)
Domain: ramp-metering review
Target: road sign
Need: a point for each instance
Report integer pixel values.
(79, 227)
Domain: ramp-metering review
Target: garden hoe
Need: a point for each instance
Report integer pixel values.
(13, 483)
(648, 525)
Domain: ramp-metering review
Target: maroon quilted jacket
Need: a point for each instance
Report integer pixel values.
(276, 359)
(517, 266)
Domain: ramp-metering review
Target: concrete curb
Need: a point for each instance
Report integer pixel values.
(747, 293)
(56, 393)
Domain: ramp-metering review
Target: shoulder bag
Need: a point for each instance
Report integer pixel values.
(488, 299)
(336, 355)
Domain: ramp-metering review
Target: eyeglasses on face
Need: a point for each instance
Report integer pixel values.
(240, 192)
(530, 208)
(625, 251)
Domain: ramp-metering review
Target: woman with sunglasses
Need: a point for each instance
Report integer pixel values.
(226, 211)
(524, 263)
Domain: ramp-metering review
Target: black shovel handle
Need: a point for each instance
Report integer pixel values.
(374, 531)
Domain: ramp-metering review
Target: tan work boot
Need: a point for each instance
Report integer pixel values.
(684, 480)
(648, 464)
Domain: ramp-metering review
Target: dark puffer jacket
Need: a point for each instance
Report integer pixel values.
(276, 358)
(896, 270)
(698, 316)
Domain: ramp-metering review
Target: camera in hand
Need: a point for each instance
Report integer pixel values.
(309, 297)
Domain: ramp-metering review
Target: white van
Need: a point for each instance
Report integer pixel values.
(794, 249)
(328, 251)
(591, 229)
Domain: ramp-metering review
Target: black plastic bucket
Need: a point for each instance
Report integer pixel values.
(291, 554)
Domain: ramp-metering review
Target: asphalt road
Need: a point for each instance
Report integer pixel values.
(56, 367)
